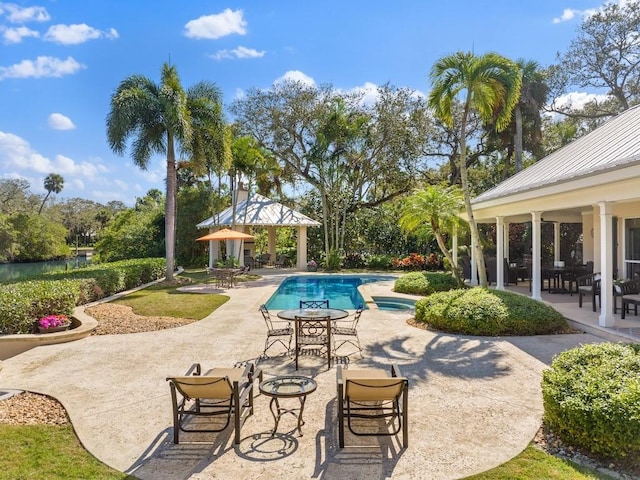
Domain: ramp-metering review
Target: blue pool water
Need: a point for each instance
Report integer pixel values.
(394, 303)
(340, 290)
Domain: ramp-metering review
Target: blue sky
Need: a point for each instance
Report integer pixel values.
(60, 61)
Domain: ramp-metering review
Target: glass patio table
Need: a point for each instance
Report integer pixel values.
(287, 386)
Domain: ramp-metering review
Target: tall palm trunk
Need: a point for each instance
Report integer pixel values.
(518, 138)
(442, 245)
(473, 226)
(170, 208)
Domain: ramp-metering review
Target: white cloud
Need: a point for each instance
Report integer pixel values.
(577, 100)
(17, 14)
(216, 26)
(567, 14)
(369, 92)
(76, 34)
(15, 35)
(295, 76)
(240, 52)
(57, 121)
(41, 67)
(17, 154)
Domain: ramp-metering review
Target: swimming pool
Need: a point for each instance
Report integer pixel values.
(394, 303)
(340, 290)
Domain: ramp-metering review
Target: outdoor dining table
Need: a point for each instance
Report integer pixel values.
(332, 313)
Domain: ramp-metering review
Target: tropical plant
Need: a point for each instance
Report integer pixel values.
(433, 212)
(160, 117)
(52, 183)
(491, 84)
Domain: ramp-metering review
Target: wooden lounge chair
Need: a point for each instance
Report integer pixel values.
(222, 392)
(278, 331)
(373, 394)
(629, 291)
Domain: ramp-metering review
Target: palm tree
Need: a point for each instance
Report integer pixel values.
(52, 183)
(158, 117)
(491, 84)
(433, 212)
(533, 95)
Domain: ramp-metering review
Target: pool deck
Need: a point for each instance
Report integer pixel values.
(474, 402)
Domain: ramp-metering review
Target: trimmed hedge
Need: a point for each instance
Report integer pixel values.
(591, 398)
(478, 311)
(425, 283)
(22, 304)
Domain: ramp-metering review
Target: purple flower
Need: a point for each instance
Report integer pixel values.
(51, 321)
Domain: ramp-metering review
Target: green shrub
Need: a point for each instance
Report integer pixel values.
(379, 262)
(22, 304)
(425, 283)
(478, 311)
(591, 398)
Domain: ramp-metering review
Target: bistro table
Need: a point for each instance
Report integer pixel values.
(287, 386)
(332, 313)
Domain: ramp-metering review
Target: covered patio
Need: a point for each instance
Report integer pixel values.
(258, 211)
(592, 181)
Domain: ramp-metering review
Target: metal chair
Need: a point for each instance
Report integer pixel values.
(313, 332)
(314, 303)
(217, 392)
(346, 331)
(277, 331)
(373, 394)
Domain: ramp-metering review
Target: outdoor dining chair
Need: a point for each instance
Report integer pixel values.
(369, 396)
(346, 331)
(224, 392)
(589, 285)
(314, 303)
(313, 332)
(278, 331)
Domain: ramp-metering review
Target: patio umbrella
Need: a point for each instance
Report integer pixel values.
(225, 234)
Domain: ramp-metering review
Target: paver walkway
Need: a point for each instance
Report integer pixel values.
(474, 403)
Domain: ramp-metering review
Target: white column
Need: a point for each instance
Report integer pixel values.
(213, 249)
(556, 242)
(302, 247)
(606, 318)
(474, 265)
(500, 253)
(536, 218)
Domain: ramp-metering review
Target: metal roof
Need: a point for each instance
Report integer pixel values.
(259, 211)
(612, 145)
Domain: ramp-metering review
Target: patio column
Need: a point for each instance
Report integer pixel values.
(302, 247)
(556, 242)
(536, 219)
(474, 266)
(213, 253)
(271, 242)
(500, 253)
(606, 318)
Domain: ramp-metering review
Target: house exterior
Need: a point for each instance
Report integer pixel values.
(259, 211)
(595, 181)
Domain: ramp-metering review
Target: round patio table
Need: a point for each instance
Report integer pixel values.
(332, 313)
(287, 386)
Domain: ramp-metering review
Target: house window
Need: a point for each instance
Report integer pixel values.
(632, 247)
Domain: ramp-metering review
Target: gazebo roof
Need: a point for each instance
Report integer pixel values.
(260, 211)
(613, 145)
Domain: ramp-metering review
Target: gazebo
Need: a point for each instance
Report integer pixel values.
(595, 181)
(259, 211)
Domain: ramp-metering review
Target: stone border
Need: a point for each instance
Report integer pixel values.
(83, 326)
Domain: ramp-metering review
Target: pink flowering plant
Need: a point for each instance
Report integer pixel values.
(52, 321)
(312, 263)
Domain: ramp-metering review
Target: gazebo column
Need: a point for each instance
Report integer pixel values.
(271, 242)
(302, 247)
(606, 267)
(500, 253)
(214, 252)
(536, 222)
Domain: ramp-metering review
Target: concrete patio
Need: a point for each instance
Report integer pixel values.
(474, 403)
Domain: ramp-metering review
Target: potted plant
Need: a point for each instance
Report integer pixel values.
(53, 323)
(312, 266)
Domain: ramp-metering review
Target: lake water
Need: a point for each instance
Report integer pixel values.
(20, 271)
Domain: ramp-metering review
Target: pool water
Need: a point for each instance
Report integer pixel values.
(394, 303)
(340, 290)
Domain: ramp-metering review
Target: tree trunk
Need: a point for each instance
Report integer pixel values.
(518, 138)
(445, 251)
(475, 234)
(170, 209)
